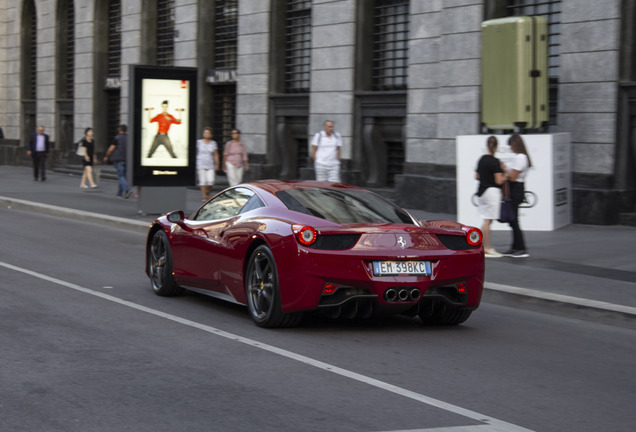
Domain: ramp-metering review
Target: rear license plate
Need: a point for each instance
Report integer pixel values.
(412, 268)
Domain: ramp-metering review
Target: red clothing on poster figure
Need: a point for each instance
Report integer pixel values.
(164, 120)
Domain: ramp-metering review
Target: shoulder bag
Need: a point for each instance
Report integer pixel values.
(507, 211)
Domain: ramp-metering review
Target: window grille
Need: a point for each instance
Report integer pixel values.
(68, 79)
(224, 113)
(551, 10)
(395, 161)
(302, 156)
(112, 116)
(30, 51)
(297, 46)
(390, 44)
(114, 38)
(225, 34)
(165, 32)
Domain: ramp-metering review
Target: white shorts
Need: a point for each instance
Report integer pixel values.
(489, 203)
(327, 172)
(206, 177)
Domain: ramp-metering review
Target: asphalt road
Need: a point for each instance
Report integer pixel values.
(86, 346)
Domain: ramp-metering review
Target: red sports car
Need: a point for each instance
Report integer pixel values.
(288, 247)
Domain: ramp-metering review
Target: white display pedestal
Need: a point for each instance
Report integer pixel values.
(548, 179)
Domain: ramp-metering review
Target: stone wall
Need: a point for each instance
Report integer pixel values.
(443, 98)
(332, 68)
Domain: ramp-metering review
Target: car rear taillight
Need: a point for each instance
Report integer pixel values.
(329, 289)
(473, 236)
(305, 235)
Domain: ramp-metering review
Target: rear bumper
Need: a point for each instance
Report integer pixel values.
(304, 273)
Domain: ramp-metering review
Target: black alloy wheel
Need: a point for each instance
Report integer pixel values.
(160, 266)
(262, 291)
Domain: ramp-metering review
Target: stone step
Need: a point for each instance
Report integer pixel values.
(107, 172)
(627, 219)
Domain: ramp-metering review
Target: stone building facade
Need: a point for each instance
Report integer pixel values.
(401, 79)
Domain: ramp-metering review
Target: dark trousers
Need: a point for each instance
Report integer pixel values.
(161, 139)
(517, 192)
(121, 174)
(39, 165)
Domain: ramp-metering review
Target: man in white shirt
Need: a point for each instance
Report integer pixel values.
(325, 152)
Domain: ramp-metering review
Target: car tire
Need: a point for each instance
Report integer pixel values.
(160, 266)
(263, 293)
(443, 315)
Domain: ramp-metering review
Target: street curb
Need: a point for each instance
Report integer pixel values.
(559, 304)
(81, 215)
(540, 301)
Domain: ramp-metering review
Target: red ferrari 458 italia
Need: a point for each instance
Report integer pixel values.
(284, 248)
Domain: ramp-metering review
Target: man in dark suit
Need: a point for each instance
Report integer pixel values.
(38, 150)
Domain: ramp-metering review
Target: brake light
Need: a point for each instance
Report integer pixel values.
(473, 236)
(461, 287)
(329, 289)
(305, 235)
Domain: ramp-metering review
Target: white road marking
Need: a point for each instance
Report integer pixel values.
(489, 424)
(560, 298)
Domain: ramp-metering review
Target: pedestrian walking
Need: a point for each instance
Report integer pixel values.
(207, 162)
(116, 154)
(39, 146)
(490, 174)
(89, 158)
(235, 161)
(325, 152)
(516, 174)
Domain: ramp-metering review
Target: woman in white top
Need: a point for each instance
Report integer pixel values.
(517, 171)
(207, 162)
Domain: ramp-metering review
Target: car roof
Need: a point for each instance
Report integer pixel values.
(273, 186)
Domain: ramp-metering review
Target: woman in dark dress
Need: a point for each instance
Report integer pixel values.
(89, 159)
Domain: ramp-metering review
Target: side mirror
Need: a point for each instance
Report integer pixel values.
(175, 216)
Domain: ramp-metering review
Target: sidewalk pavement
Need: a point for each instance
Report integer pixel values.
(582, 271)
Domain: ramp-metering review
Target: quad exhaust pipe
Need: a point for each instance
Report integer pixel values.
(393, 295)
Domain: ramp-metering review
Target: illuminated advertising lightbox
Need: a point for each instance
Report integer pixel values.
(163, 122)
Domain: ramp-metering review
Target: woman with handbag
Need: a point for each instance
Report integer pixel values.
(516, 175)
(88, 159)
(490, 174)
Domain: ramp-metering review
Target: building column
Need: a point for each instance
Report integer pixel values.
(588, 82)
(333, 57)
(84, 67)
(10, 79)
(131, 48)
(443, 99)
(46, 16)
(252, 106)
(186, 25)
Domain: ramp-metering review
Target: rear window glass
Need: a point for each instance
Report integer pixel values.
(343, 206)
